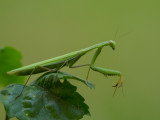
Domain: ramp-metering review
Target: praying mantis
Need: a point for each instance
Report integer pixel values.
(68, 60)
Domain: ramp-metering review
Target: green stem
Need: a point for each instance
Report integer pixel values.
(6, 117)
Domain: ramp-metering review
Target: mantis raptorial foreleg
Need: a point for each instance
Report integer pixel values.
(104, 71)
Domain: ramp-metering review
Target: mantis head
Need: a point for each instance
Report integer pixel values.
(112, 44)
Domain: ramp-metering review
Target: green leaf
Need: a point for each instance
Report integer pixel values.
(47, 80)
(61, 102)
(9, 59)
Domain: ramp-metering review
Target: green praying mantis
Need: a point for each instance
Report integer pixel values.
(68, 60)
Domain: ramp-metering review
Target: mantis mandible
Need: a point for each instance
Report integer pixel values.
(56, 63)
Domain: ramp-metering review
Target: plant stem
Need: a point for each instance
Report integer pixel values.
(6, 117)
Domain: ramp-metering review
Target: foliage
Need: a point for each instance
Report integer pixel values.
(47, 80)
(9, 59)
(45, 99)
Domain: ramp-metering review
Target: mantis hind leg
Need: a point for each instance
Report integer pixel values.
(26, 83)
(107, 72)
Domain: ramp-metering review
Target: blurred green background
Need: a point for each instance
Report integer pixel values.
(45, 29)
